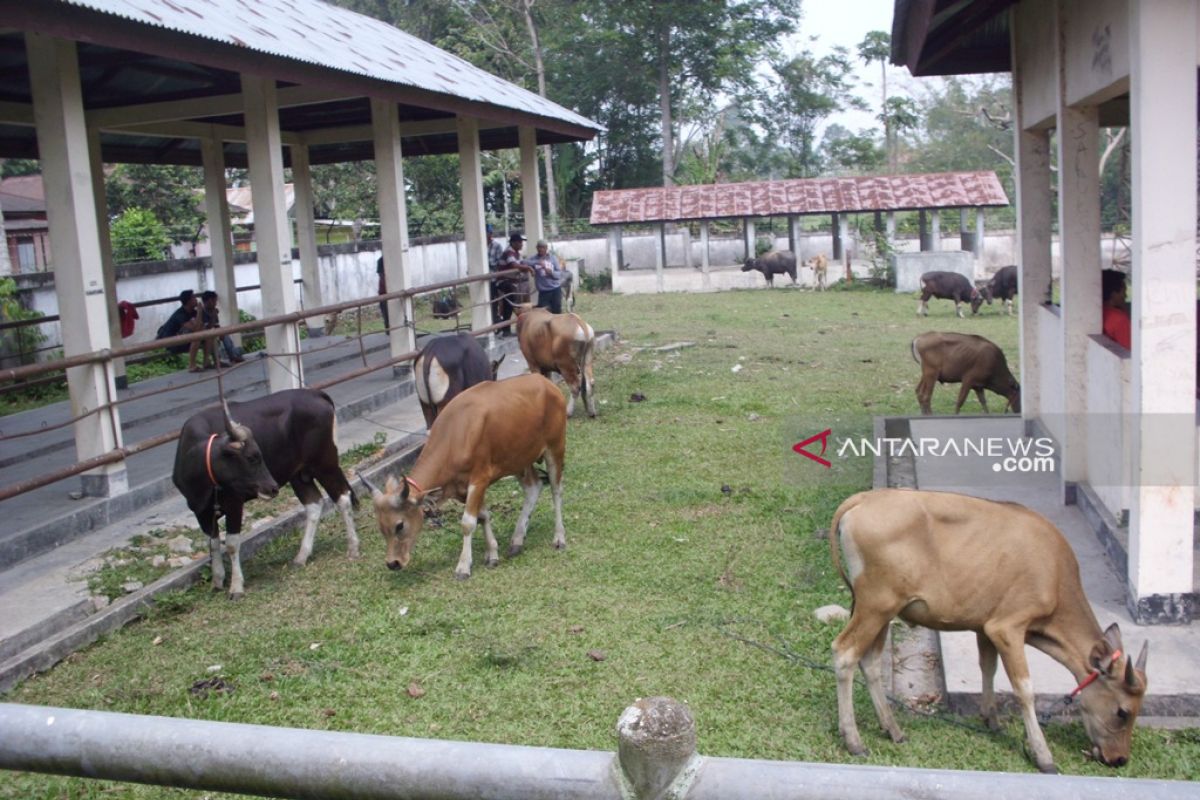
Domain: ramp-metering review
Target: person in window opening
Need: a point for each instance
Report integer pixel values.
(549, 277)
(383, 311)
(1115, 310)
(513, 290)
(185, 319)
(212, 319)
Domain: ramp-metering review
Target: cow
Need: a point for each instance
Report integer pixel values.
(491, 430)
(561, 343)
(222, 463)
(568, 290)
(948, 286)
(964, 358)
(1003, 286)
(776, 262)
(446, 366)
(820, 266)
(957, 563)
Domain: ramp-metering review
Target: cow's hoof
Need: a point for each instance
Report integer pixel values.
(515, 550)
(236, 595)
(461, 576)
(1047, 769)
(859, 751)
(897, 737)
(297, 562)
(992, 723)
(492, 562)
(560, 545)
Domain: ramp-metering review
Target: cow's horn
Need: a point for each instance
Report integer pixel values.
(237, 432)
(1141, 659)
(374, 490)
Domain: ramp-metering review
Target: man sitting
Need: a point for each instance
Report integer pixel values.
(185, 319)
(1115, 312)
(212, 319)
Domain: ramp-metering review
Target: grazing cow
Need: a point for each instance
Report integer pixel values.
(956, 563)
(568, 290)
(491, 430)
(561, 343)
(948, 286)
(286, 437)
(776, 262)
(446, 366)
(963, 357)
(820, 265)
(1003, 286)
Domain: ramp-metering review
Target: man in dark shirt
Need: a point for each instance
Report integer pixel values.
(185, 319)
(512, 290)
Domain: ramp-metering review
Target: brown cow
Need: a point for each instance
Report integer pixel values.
(561, 343)
(976, 362)
(820, 265)
(952, 562)
(489, 431)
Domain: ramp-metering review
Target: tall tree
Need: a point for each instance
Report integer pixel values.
(172, 194)
(809, 89)
(877, 46)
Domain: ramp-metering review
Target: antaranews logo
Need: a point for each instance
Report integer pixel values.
(1004, 454)
(823, 436)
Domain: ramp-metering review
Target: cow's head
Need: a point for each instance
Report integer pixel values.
(400, 512)
(496, 367)
(987, 290)
(1014, 396)
(236, 463)
(1111, 702)
(751, 263)
(976, 300)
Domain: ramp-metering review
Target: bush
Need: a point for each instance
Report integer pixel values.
(595, 281)
(137, 235)
(21, 343)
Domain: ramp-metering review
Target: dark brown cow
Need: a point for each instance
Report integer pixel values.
(446, 366)
(561, 343)
(964, 358)
(1003, 286)
(948, 286)
(776, 262)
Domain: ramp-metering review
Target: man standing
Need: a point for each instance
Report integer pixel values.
(513, 290)
(548, 277)
(495, 253)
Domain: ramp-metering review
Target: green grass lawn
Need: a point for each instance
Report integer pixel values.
(689, 522)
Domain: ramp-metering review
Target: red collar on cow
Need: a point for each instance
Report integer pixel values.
(414, 484)
(1091, 678)
(208, 459)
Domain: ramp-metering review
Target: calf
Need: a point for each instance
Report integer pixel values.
(561, 343)
(956, 563)
(446, 366)
(491, 430)
(963, 357)
(1003, 286)
(948, 286)
(776, 262)
(220, 464)
(820, 265)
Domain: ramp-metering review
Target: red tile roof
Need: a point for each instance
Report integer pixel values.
(804, 196)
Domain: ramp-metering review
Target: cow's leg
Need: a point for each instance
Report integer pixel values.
(217, 563)
(589, 379)
(345, 505)
(925, 391)
(963, 391)
(982, 399)
(958, 309)
(492, 558)
(571, 376)
(1009, 640)
(470, 521)
(987, 666)
(848, 649)
(872, 670)
(310, 496)
(533, 488)
(555, 453)
(1008, 306)
(237, 585)
(923, 305)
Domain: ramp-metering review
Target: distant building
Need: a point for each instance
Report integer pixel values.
(23, 203)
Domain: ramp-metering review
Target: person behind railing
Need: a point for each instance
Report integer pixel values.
(495, 253)
(212, 319)
(383, 312)
(185, 319)
(549, 277)
(1115, 310)
(512, 290)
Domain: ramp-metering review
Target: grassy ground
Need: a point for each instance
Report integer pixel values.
(690, 528)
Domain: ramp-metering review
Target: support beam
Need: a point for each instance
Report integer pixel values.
(685, 238)
(531, 191)
(836, 227)
(844, 239)
(1162, 419)
(935, 230)
(220, 237)
(793, 223)
(272, 231)
(106, 255)
(660, 255)
(306, 237)
(749, 237)
(471, 176)
(1034, 202)
(71, 210)
(199, 107)
(393, 223)
(705, 259)
(980, 234)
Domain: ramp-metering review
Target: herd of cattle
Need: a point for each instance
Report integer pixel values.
(946, 561)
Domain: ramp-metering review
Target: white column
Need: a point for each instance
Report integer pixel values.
(748, 235)
(979, 234)
(704, 256)
(685, 238)
(75, 240)
(1034, 199)
(890, 227)
(220, 239)
(844, 237)
(793, 223)
(393, 222)
(963, 230)
(660, 255)
(272, 231)
(106, 257)
(306, 237)
(614, 253)
(471, 178)
(836, 233)
(531, 193)
(1163, 82)
(935, 230)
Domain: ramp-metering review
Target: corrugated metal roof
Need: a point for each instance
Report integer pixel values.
(318, 33)
(801, 196)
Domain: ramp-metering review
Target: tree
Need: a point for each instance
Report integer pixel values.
(346, 192)
(809, 89)
(137, 235)
(851, 152)
(171, 194)
(877, 46)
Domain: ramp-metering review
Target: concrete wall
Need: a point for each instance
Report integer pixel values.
(1050, 364)
(910, 267)
(1110, 452)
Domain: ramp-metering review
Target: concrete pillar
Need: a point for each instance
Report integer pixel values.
(890, 228)
(749, 237)
(106, 257)
(393, 223)
(685, 238)
(923, 231)
(980, 250)
(844, 237)
(75, 240)
(614, 250)
(1162, 419)
(704, 255)
(220, 238)
(531, 193)
(793, 223)
(471, 179)
(656, 748)
(935, 230)
(836, 255)
(965, 242)
(306, 237)
(1034, 202)
(272, 231)
(660, 256)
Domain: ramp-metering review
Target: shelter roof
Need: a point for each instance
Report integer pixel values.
(951, 37)
(154, 71)
(800, 196)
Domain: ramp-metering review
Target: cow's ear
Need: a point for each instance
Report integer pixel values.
(392, 486)
(235, 445)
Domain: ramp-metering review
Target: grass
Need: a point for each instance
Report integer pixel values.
(690, 523)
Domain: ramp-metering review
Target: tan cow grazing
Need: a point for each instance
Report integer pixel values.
(820, 265)
(561, 343)
(975, 362)
(952, 562)
(491, 430)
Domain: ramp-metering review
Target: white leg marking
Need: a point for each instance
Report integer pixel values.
(348, 519)
(233, 546)
(312, 518)
(463, 570)
(560, 532)
(492, 558)
(218, 563)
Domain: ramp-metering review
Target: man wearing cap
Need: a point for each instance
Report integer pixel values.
(495, 252)
(549, 277)
(514, 291)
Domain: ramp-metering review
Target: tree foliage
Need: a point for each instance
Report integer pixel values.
(137, 235)
(171, 194)
(809, 90)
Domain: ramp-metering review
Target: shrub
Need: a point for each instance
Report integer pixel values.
(137, 235)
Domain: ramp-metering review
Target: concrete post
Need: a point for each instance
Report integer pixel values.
(75, 240)
(470, 170)
(844, 238)
(793, 227)
(1033, 253)
(923, 231)
(964, 233)
(704, 255)
(685, 237)
(106, 256)
(749, 237)
(531, 192)
(1162, 43)
(216, 207)
(656, 748)
(979, 234)
(614, 250)
(660, 256)
(393, 223)
(836, 255)
(935, 230)
(272, 231)
(306, 236)
(890, 228)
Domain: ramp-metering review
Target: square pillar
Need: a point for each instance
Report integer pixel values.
(660, 255)
(1163, 417)
(306, 237)
(272, 231)
(1034, 199)
(220, 237)
(749, 237)
(685, 238)
(106, 257)
(71, 210)
(531, 193)
(393, 223)
(980, 250)
(889, 227)
(704, 255)
(836, 225)
(935, 231)
(471, 177)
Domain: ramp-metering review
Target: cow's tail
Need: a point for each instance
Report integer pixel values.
(913, 347)
(835, 540)
(582, 349)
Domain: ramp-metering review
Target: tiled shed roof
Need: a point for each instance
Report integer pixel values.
(802, 196)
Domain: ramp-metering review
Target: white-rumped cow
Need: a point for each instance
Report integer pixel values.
(491, 430)
(561, 343)
(1003, 286)
(948, 286)
(231, 454)
(957, 563)
(446, 366)
(776, 262)
(975, 362)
